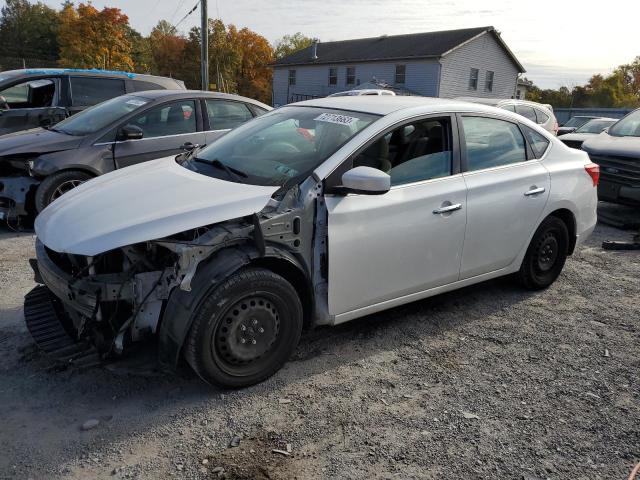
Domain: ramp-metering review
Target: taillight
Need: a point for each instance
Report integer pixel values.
(593, 169)
(555, 128)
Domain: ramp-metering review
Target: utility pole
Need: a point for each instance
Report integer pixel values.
(204, 45)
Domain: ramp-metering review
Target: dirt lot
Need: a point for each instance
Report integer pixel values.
(488, 382)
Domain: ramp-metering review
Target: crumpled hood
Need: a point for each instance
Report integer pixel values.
(605, 144)
(144, 202)
(36, 140)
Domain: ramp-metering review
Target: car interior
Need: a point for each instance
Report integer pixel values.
(491, 143)
(30, 94)
(174, 119)
(411, 153)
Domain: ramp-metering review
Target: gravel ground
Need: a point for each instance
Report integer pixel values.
(487, 382)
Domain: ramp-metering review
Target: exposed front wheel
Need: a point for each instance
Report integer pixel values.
(245, 329)
(56, 185)
(546, 255)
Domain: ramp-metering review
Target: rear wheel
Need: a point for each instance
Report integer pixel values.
(245, 329)
(546, 254)
(56, 185)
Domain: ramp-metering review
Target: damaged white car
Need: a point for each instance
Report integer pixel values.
(313, 214)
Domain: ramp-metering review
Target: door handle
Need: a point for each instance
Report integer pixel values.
(447, 209)
(534, 191)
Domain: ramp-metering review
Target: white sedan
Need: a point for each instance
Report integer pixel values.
(315, 213)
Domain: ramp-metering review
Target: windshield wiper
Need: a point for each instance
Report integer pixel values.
(233, 173)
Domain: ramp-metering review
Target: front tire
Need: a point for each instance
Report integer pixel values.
(546, 255)
(56, 185)
(245, 329)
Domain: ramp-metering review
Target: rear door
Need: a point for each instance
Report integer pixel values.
(507, 190)
(224, 115)
(166, 129)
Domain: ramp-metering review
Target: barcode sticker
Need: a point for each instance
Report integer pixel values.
(336, 118)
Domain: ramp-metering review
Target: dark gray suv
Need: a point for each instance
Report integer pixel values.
(39, 165)
(42, 97)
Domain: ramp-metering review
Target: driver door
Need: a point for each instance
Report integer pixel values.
(408, 240)
(31, 104)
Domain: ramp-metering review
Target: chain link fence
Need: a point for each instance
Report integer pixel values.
(15, 63)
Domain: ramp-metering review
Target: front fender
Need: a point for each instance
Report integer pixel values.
(91, 162)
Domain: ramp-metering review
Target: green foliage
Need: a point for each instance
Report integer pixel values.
(290, 44)
(28, 30)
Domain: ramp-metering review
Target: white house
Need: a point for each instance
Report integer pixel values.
(470, 62)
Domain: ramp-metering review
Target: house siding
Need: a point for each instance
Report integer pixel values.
(313, 80)
(485, 54)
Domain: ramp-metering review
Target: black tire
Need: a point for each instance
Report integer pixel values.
(245, 329)
(57, 184)
(546, 255)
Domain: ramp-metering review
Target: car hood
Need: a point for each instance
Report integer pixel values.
(144, 202)
(37, 140)
(605, 144)
(577, 137)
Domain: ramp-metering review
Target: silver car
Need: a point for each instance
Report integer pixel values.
(313, 214)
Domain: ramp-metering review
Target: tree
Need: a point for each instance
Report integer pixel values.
(28, 30)
(168, 50)
(290, 44)
(90, 38)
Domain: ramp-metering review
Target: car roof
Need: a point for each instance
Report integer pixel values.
(501, 101)
(384, 105)
(177, 94)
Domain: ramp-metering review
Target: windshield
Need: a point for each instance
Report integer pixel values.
(628, 126)
(576, 122)
(283, 146)
(595, 126)
(96, 118)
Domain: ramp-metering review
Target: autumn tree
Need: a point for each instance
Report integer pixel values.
(290, 44)
(28, 30)
(91, 38)
(168, 50)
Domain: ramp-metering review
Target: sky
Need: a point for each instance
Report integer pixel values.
(559, 42)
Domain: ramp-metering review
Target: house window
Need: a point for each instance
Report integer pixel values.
(351, 75)
(400, 73)
(292, 77)
(333, 76)
(473, 79)
(488, 83)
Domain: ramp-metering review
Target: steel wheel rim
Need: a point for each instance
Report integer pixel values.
(64, 187)
(547, 253)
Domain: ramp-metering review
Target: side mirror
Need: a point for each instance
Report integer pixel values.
(130, 132)
(367, 180)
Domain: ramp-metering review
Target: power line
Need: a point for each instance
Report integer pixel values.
(185, 17)
(173, 15)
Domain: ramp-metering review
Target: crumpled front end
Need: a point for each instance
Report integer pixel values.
(17, 188)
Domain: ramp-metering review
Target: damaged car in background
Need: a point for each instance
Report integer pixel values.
(316, 213)
(39, 165)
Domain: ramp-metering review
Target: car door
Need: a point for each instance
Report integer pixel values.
(166, 128)
(409, 239)
(224, 115)
(507, 190)
(30, 103)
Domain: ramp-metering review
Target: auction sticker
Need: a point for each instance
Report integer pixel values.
(135, 102)
(336, 118)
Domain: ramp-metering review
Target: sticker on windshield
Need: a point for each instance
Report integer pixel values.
(336, 118)
(135, 102)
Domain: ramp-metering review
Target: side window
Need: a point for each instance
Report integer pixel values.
(412, 153)
(31, 94)
(226, 114)
(541, 116)
(488, 84)
(527, 112)
(173, 118)
(257, 111)
(491, 143)
(91, 91)
(141, 86)
(537, 141)
(473, 79)
(511, 108)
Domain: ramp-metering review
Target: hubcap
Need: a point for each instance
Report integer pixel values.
(64, 187)
(547, 253)
(248, 331)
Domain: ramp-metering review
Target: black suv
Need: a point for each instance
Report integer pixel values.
(42, 97)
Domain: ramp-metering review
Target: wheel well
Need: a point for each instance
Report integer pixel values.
(570, 221)
(294, 276)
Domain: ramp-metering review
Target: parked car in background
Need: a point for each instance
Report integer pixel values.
(593, 127)
(539, 113)
(322, 211)
(617, 151)
(44, 96)
(39, 165)
(574, 123)
(363, 91)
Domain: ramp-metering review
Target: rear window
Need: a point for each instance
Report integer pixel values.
(91, 91)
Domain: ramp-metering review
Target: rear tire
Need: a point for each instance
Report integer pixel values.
(546, 255)
(54, 186)
(245, 329)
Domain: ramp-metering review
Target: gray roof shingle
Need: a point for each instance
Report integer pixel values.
(396, 47)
